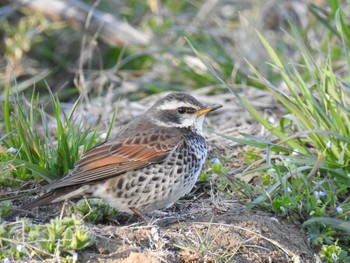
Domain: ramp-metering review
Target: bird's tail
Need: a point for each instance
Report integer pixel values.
(45, 199)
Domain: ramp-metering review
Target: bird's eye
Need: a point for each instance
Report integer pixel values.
(181, 110)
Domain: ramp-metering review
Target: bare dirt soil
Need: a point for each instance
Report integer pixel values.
(202, 232)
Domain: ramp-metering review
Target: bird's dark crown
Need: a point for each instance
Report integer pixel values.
(180, 98)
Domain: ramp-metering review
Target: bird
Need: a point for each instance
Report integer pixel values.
(150, 164)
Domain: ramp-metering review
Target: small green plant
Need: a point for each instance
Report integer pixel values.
(11, 175)
(22, 240)
(95, 210)
(334, 253)
(5, 207)
(203, 177)
(217, 170)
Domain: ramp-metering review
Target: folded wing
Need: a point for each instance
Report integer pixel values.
(119, 156)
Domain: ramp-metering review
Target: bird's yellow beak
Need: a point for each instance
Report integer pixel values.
(208, 109)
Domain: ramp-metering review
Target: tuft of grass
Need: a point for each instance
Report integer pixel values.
(311, 183)
(305, 176)
(41, 144)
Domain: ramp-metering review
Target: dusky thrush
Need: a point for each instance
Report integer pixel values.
(152, 162)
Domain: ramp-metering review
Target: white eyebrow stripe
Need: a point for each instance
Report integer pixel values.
(172, 105)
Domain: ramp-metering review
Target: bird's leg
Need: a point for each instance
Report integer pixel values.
(139, 214)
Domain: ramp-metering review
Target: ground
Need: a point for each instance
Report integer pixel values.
(206, 229)
(203, 231)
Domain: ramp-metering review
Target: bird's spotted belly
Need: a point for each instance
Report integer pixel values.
(155, 186)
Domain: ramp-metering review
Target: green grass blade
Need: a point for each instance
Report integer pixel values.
(333, 222)
(7, 114)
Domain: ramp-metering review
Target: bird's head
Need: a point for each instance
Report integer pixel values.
(180, 110)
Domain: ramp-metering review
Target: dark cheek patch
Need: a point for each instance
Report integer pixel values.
(169, 116)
